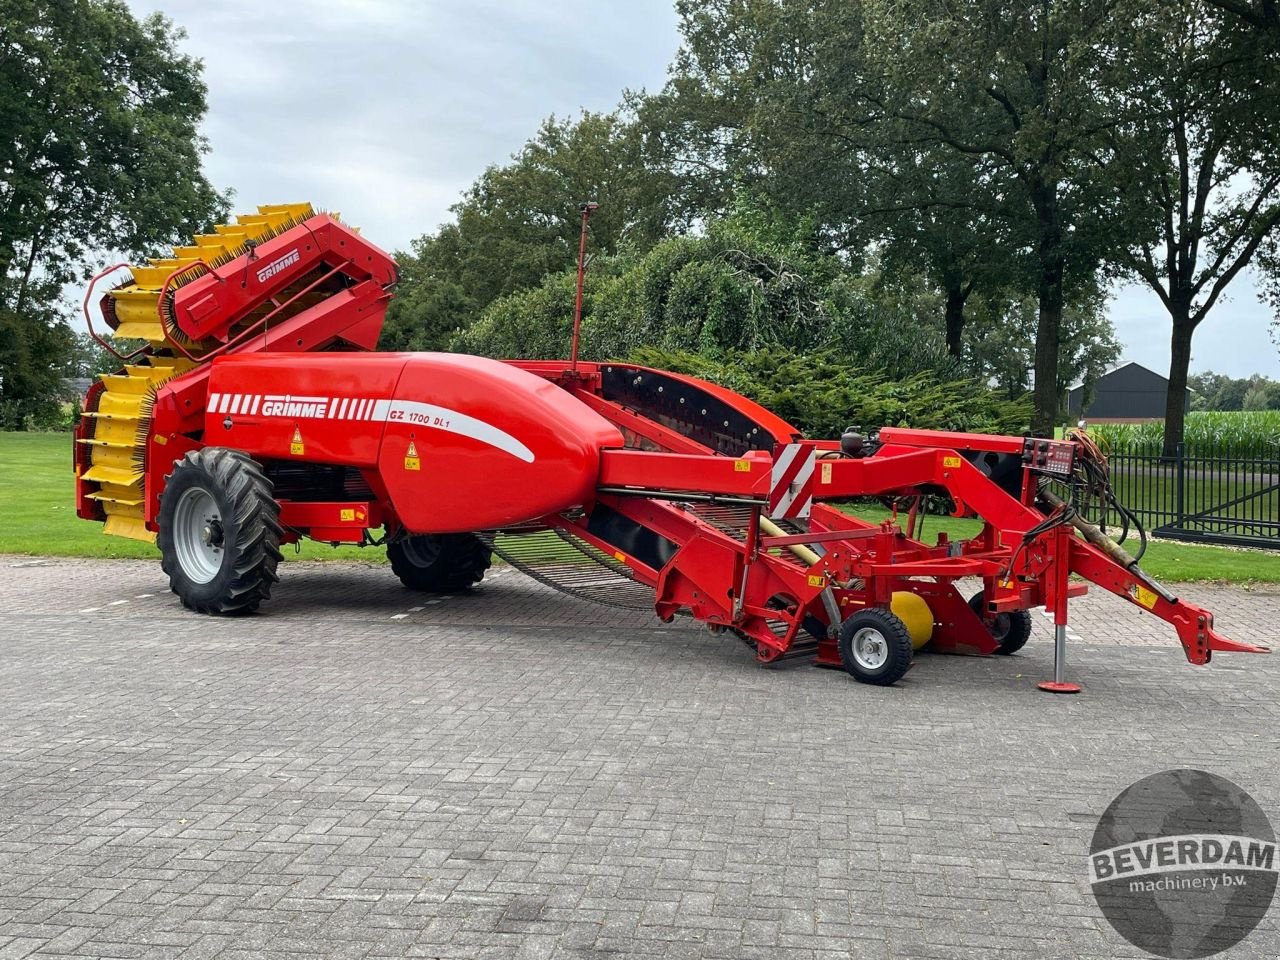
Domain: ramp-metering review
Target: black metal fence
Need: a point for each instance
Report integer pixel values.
(1205, 493)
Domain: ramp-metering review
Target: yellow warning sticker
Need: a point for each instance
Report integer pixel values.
(346, 515)
(826, 473)
(742, 466)
(952, 461)
(296, 446)
(619, 555)
(1145, 597)
(161, 439)
(411, 461)
(817, 581)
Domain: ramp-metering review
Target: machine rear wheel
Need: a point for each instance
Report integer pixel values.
(220, 532)
(439, 563)
(1011, 630)
(875, 647)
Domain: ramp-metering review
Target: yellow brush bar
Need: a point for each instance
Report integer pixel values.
(121, 422)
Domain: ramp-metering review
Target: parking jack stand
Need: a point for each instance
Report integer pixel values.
(1059, 682)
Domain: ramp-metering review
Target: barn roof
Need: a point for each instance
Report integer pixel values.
(1116, 369)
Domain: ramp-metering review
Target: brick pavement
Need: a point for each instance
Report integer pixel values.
(511, 773)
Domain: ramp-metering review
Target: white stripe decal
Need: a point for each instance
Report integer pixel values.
(340, 407)
(214, 400)
(235, 402)
(358, 413)
(797, 488)
(783, 463)
(257, 399)
(451, 421)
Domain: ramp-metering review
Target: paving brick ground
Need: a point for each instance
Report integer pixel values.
(510, 773)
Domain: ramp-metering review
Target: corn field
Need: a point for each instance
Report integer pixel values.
(1241, 431)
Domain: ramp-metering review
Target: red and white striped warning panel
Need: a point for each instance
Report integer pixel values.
(791, 482)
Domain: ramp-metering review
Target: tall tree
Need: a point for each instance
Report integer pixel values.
(768, 98)
(99, 150)
(964, 137)
(1012, 86)
(1201, 161)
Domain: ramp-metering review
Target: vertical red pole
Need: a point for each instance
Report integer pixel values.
(587, 210)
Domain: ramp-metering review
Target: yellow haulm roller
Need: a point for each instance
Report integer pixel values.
(913, 611)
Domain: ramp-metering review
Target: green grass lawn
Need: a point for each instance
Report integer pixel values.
(38, 513)
(37, 516)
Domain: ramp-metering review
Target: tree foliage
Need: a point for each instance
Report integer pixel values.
(822, 394)
(744, 284)
(99, 150)
(519, 222)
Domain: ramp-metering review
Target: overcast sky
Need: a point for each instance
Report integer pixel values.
(387, 109)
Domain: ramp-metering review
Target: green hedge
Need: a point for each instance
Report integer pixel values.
(822, 393)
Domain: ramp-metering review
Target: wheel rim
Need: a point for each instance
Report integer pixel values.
(422, 551)
(1000, 627)
(870, 649)
(198, 535)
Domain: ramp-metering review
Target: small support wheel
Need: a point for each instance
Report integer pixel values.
(875, 647)
(1010, 630)
(439, 563)
(220, 531)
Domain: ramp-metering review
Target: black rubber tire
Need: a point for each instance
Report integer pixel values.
(897, 640)
(1011, 630)
(250, 531)
(439, 563)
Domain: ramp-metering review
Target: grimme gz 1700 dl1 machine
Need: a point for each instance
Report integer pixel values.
(257, 412)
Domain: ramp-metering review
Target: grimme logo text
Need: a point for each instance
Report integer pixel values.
(271, 269)
(1220, 854)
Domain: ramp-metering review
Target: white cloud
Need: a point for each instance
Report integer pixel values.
(388, 109)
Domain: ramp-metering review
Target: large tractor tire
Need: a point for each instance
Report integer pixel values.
(875, 646)
(439, 563)
(220, 532)
(1010, 630)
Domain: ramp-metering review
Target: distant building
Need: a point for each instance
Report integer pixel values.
(1127, 394)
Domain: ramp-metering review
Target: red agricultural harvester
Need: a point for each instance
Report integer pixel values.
(256, 412)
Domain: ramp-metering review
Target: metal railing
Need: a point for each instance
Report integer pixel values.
(1211, 493)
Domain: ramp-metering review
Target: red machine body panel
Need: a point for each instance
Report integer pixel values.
(459, 443)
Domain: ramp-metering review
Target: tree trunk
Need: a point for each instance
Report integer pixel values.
(956, 297)
(1175, 407)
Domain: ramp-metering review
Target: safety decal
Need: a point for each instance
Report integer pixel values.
(411, 461)
(791, 482)
(296, 446)
(1145, 597)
